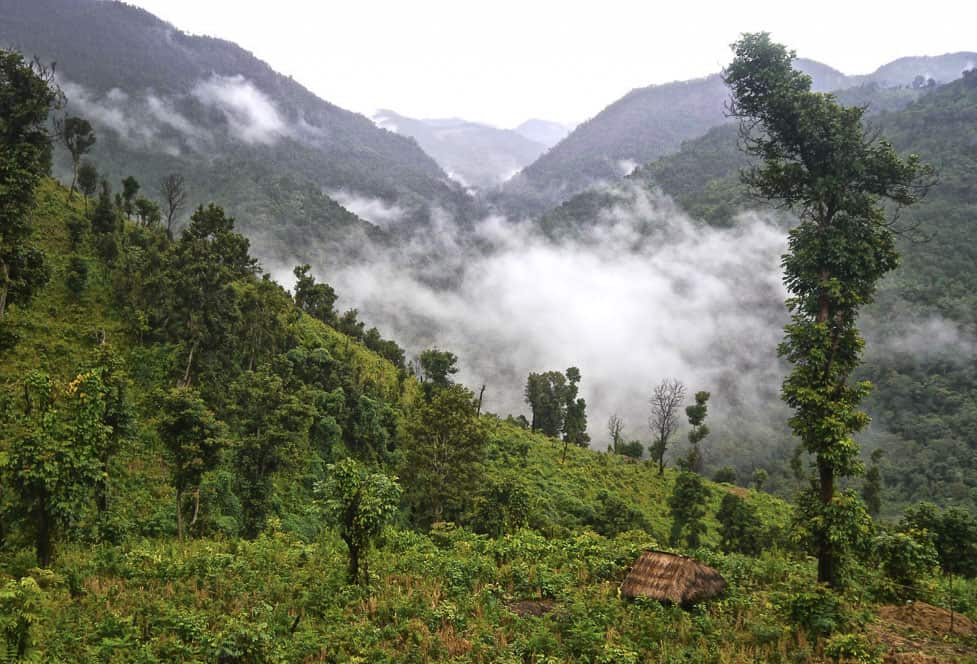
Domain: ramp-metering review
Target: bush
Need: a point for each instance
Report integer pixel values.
(77, 277)
(852, 648)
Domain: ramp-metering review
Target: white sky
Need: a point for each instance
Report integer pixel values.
(504, 61)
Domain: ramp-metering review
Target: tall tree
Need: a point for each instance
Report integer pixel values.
(614, 427)
(272, 427)
(687, 504)
(130, 187)
(665, 402)
(191, 436)
(437, 367)
(545, 394)
(574, 413)
(53, 462)
(27, 95)
(78, 137)
(173, 191)
(696, 414)
(201, 304)
(444, 447)
(817, 159)
(872, 485)
(87, 181)
(315, 299)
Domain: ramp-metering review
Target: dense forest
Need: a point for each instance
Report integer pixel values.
(198, 464)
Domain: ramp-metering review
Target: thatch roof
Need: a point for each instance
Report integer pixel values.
(669, 577)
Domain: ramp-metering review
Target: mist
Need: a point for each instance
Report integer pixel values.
(644, 294)
(251, 115)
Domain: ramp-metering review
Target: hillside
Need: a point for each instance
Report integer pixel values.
(652, 122)
(476, 155)
(163, 101)
(541, 580)
(198, 465)
(921, 332)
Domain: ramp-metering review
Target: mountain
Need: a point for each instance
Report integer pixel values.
(476, 155)
(922, 329)
(543, 131)
(258, 142)
(651, 122)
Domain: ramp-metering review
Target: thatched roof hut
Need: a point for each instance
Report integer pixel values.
(669, 577)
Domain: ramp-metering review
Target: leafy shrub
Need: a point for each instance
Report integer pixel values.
(852, 648)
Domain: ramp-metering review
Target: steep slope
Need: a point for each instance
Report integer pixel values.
(163, 101)
(476, 155)
(651, 122)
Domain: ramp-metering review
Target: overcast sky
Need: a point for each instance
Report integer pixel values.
(504, 61)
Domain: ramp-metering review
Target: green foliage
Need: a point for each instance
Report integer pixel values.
(21, 605)
(317, 300)
(272, 426)
(53, 463)
(853, 648)
(27, 94)
(906, 559)
(953, 533)
(191, 436)
(359, 503)
(87, 180)
(696, 415)
(633, 449)
(725, 474)
(739, 527)
(78, 137)
(443, 450)
(544, 394)
(818, 160)
(77, 277)
(688, 507)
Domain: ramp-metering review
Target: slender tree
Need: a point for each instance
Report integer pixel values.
(816, 158)
(688, 508)
(665, 402)
(78, 137)
(574, 413)
(87, 181)
(27, 95)
(614, 427)
(696, 414)
(173, 191)
(130, 188)
(191, 436)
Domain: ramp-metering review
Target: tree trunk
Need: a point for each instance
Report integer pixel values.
(827, 556)
(4, 286)
(179, 514)
(186, 374)
(353, 571)
(42, 542)
(74, 179)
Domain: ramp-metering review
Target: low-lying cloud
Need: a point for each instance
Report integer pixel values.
(251, 115)
(376, 211)
(645, 294)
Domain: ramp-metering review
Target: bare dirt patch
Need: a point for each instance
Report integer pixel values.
(531, 607)
(919, 633)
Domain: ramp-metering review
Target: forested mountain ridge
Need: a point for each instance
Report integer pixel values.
(162, 101)
(652, 122)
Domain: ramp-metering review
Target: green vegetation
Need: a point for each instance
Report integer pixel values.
(197, 465)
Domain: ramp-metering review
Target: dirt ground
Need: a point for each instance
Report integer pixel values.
(919, 633)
